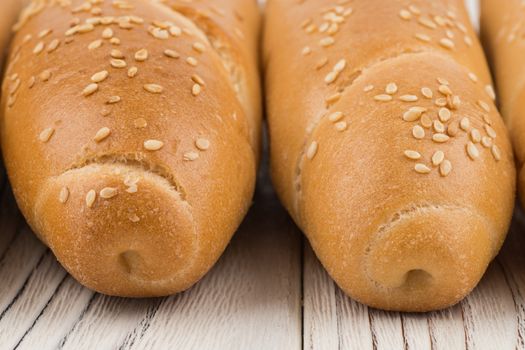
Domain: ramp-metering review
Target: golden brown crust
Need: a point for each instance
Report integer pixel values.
(502, 27)
(139, 154)
(386, 147)
(9, 10)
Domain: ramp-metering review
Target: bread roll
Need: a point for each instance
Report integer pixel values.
(131, 136)
(8, 13)
(386, 146)
(502, 27)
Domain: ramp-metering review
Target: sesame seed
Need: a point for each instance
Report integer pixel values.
(32, 82)
(404, 14)
(486, 141)
(368, 88)
(116, 63)
(391, 88)
(490, 91)
(331, 77)
(153, 145)
(444, 114)
(445, 168)
(496, 153)
(427, 22)
(141, 55)
(438, 126)
(38, 48)
(45, 75)
(473, 77)
(333, 98)
(153, 88)
(328, 41)
(95, 44)
(490, 131)
(197, 79)
(427, 92)
(472, 150)
(116, 53)
(90, 89)
(171, 53)
(132, 72)
(321, 63)
(100, 76)
(134, 218)
(306, 51)
(412, 154)
(456, 102)
(426, 121)
(441, 102)
(453, 129)
(63, 195)
(113, 99)
(422, 168)
(91, 196)
(191, 156)
(341, 126)
(467, 40)
(340, 65)
(440, 138)
(53, 45)
(442, 81)
(202, 144)
(475, 135)
(107, 33)
(199, 47)
(383, 98)
(196, 89)
(312, 150)
(192, 61)
(445, 90)
(175, 31)
(413, 114)
(447, 43)
(114, 41)
(464, 123)
(437, 158)
(423, 37)
(418, 132)
(108, 192)
(140, 123)
(408, 98)
(46, 135)
(335, 117)
(102, 134)
(484, 106)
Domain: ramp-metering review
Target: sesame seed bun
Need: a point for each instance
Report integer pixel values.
(386, 148)
(132, 175)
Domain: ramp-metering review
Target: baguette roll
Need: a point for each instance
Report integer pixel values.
(385, 147)
(131, 147)
(502, 33)
(9, 10)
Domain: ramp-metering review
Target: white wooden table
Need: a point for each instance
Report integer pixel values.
(268, 291)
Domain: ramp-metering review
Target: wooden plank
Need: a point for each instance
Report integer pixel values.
(38, 289)
(16, 267)
(251, 300)
(58, 317)
(447, 330)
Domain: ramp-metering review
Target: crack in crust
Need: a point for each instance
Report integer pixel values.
(413, 211)
(135, 160)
